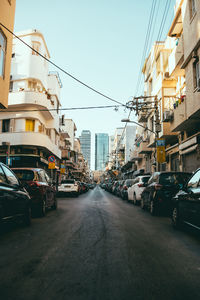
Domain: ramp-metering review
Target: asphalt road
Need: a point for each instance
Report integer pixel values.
(99, 247)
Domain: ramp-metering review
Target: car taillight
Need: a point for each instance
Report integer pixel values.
(140, 184)
(34, 184)
(158, 186)
(125, 187)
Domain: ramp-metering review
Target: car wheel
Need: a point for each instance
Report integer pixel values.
(176, 223)
(153, 210)
(134, 199)
(43, 208)
(54, 206)
(27, 216)
(142, 204)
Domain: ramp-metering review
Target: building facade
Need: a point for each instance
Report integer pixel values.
(85, 140)
(101, 150)
(7, 15)
(30, 127)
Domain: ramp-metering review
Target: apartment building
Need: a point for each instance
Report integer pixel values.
(7, 15)
(30, 127)
(185, 29)
(171, 73)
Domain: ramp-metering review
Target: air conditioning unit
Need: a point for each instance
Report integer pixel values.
(168, 115)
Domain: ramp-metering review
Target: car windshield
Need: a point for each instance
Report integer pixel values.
(174, 178)
(26, 175)
(145, 179)
(69, 181)
(129, 182)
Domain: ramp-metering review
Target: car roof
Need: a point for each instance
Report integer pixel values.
(29, 169)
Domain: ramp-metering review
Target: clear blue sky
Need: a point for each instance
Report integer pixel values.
(98, 41)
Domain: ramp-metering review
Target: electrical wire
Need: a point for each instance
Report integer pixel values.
(146, 43)
(62, 70)
(61, 109)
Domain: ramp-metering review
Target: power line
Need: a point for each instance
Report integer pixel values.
(146, 42)
(61, 109)
(62, 70)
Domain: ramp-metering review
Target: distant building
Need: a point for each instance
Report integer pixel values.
(85, 140)
(70, 127)
(101, 150)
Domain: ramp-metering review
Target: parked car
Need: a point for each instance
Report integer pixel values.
(186, 203)
(162, 186)
(138, 186)
(39, 186)
(124, 191)
(119, 188)
(15, 201)
(115, 186)
(69, 187)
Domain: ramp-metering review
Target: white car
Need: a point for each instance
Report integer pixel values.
(69, 186)
(135, 191)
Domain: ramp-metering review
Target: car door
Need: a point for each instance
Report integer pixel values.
(6, 200)
(189, 202)
(15, 196)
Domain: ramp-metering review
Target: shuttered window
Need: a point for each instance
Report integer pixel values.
(30, 125)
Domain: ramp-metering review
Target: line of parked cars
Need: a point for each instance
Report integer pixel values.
(176, 194)
(27, 192)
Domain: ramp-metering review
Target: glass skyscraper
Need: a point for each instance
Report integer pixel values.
(85, 140)
(101, 150)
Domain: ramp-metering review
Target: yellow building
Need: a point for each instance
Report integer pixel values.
(7, 15)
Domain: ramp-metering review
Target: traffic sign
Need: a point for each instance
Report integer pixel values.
(51, 159)
(51, 165)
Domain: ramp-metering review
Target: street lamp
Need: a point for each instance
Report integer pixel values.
(129, 121)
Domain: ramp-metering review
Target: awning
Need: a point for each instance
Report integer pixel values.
(188, 150)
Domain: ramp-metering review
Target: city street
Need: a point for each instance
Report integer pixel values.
(98, 246)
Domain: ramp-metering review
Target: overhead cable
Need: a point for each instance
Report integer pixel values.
(61, 69)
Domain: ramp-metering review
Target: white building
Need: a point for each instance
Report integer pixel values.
(31, 124)
(70, 127)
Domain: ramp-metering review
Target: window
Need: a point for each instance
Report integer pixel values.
(6, 125)
(194, 182)
(2, 176)
(12, 179)
(2, 53)
(192, 4)
(196, 72)
(42, 177)
(30, 125)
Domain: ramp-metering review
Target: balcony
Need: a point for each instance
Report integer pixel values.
(32, 139)
(176, 58)
(143, 148)
(32, 98)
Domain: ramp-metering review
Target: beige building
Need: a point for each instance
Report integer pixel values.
(7, 15)
(172, 73)
(186, 29)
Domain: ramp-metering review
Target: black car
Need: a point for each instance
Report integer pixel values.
(160, 189)
(14, 199)
(186, 203)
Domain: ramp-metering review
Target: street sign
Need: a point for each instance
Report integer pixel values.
(51, 165)
(160, 142)
(161, 154)
(51, 159)
(62, 170)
